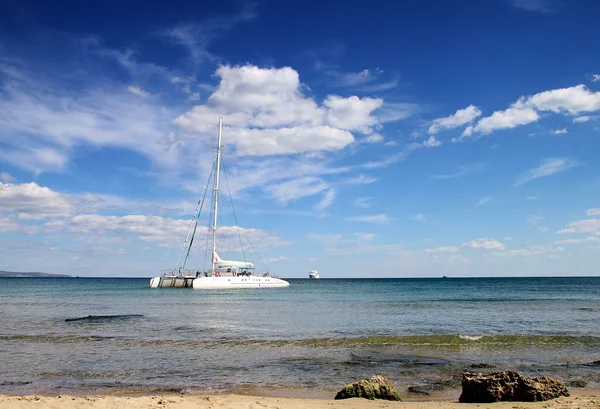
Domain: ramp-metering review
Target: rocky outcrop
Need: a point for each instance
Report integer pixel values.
(376, 387)
(509, 386)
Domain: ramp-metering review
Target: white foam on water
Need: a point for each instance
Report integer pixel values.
(471, 337)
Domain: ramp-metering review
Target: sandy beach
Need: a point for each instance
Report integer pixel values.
(578, 399)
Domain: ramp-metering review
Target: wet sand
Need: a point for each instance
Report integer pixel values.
(579, 399)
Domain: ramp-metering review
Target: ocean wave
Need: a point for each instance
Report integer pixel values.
(448, 340)
(471, 337)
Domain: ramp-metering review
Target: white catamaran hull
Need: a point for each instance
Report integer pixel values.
(239, 282)
(171, 282)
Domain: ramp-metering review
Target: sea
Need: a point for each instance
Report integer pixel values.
(116, 335)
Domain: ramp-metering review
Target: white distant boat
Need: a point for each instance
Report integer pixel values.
(313, 274)
(223, 274)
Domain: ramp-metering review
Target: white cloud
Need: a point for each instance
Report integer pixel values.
(590, 239)
(596, 77)
(593, 212)
(138, 91)
(7, 177)
(326, 201)
(432, 142)
(548, 167)
(531, 198)
(484, 243)
(42, 124)
(447, 249)
(266, 113)
(164, 231)
(361, 180)
(296, 188)
(363, 202)
(531, 251)
(483, 201)
(375, 218)
(573, 100)
(352, 113)
(374, 138)
(418, 217)
(507, 119)
(459, 118)
(30, 201)
(581, 119)
(590, 226)
(560, 131)
(570, 101)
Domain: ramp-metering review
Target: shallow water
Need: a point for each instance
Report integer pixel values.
(96, 335)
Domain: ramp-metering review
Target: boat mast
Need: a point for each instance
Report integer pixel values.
(216, 200)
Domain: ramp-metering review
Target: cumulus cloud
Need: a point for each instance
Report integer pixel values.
(560, 131)
(432, 142)
(30, 208)
(548, 167)
(566, 101)
(573, 100)
(459, 118)
(507, 119)
(266, 113)
(484, 243)
(33, 202)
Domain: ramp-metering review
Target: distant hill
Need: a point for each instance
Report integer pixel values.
(15, 274)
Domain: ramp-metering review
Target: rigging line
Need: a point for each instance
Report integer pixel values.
(237, 223)
(197, 216)
(256, 252)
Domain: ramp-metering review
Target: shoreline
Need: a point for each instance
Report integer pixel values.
(579, 399)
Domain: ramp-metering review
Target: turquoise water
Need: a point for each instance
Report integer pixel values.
(316, 334)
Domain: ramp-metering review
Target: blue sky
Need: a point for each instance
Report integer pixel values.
(363, 139)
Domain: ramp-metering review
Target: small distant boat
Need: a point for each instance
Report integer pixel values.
(444, 277)
(313, 274)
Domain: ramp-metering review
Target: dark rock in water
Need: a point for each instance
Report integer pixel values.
(376, 387)
(103, 318)
(578, 383)
(481, 366)
(509, 386)
(416, 391)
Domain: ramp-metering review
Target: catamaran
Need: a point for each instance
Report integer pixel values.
(223, 274)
